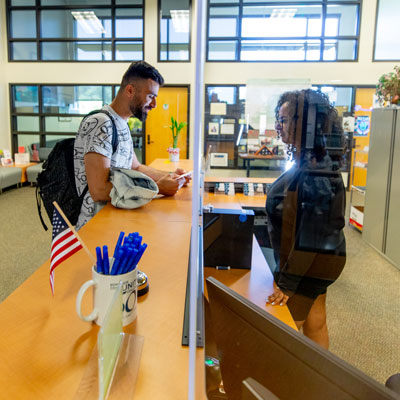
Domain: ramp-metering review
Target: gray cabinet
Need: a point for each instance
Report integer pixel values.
(382, 213)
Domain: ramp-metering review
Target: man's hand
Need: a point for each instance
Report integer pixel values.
(186, 179)
(168, 185)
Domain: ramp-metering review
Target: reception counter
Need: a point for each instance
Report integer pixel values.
(45, 347)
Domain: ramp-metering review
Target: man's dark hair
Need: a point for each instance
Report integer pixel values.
(141, 70)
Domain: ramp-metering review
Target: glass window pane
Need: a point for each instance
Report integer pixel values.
(82, 51)
(23, 51)
(339, 50)
(51, 140)
(223, 1)
(225, 94)
(28, 141)
(129, 51)
(273, 50)
(76, 23)
(62, 124)
(25, 99)
(129, 2)
(27, 124)
(15, 3)
(23, 24)
(74, 99)
(272, 21)
(313, 50)
(314, 27)
(176, 52)
(222, 27)
(346, 17)
(386, 40)
(74, 2)
(222, 50)
(129, 23)
(174, 29)
(224, 11)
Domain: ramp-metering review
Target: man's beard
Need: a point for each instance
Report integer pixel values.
(137, 111)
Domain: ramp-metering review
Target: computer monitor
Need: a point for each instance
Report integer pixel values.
(251, 343)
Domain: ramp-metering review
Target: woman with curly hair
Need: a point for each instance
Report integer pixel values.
(305, 210)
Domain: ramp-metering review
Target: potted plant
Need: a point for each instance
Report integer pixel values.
(175, 129)
(388, 88)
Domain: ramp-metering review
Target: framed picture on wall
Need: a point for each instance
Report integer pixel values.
(213, 128)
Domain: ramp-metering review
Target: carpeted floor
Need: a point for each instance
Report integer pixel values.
(363, 305)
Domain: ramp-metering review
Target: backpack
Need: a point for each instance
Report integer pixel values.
(56, 181)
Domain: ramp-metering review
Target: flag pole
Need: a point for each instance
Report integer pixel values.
(74, 232)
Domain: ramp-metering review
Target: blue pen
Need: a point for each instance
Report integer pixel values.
(100, 269)
(117, 260)
(106, 261)
(124, 259)
(139, 256)
(131, 264)
(119, 242)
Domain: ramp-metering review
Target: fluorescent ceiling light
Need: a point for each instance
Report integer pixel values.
(180, 20)
(283, 12)
(88, 21)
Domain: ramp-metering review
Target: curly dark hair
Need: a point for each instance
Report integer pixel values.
(328, 125)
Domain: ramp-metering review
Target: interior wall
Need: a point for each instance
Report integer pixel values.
(363, 72)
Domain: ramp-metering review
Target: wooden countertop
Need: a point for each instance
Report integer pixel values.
(45, 347)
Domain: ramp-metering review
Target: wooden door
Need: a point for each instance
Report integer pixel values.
(171, 101)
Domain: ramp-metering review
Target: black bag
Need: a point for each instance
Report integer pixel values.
(56, 182)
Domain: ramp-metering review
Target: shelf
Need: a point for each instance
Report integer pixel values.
(360, 189)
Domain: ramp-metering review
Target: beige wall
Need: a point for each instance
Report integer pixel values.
(363, 72)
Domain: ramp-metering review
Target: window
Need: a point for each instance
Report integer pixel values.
(75, 30)
(174, 30)
(246, 30)
(386, 36)
(44, 114)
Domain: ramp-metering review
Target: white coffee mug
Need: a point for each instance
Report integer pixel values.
(103, 290)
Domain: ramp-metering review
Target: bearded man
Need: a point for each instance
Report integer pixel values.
(93, 151)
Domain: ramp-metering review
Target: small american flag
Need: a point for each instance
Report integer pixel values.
(64, 244)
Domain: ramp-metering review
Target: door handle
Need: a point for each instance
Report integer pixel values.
(148, 140)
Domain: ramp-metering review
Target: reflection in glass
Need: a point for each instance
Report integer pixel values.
(129, 23)
(306, 207)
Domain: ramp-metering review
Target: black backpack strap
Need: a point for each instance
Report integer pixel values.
(114, 140)
(39, 207)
